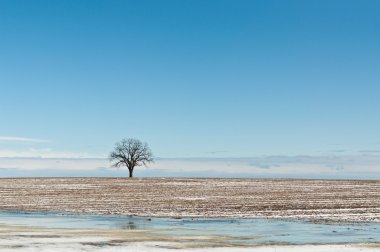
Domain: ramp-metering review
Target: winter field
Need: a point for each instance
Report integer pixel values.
(166, 214)
(317, 200)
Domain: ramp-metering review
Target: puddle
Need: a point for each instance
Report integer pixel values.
(239, 230)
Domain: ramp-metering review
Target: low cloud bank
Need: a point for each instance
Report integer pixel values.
(334, 167)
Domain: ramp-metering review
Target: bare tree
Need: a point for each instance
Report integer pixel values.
(131, 152)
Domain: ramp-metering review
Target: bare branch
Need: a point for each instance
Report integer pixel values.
(131, 152)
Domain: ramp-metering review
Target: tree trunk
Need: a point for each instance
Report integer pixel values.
(130, 173)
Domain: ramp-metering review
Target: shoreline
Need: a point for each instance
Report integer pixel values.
(190, 218)
(31, 238)
(57, 232)
(192, 232)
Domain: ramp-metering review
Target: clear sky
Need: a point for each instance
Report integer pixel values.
(192, 78)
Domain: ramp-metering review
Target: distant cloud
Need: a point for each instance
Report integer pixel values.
(336, 167)
(262, 166)
(340, 167)
(8, 149)
(43, 153)
(370, 151)
(53, 164)
(337, 151)
(326, 166)
(22, 139)
(216, 152)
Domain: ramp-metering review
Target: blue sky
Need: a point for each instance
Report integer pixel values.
(191, 78)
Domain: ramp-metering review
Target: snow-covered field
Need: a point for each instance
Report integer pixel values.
(319, 200)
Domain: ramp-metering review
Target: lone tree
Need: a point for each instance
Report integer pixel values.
(131, 152)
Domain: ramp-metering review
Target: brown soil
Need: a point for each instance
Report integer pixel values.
(320, 200)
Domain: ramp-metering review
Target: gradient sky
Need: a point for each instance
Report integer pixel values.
(191, 78)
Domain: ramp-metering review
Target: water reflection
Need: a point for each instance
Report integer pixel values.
(129, 226)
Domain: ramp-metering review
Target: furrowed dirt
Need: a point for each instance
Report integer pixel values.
(318, 200)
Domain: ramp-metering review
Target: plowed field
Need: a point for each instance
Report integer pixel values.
(319, 200)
